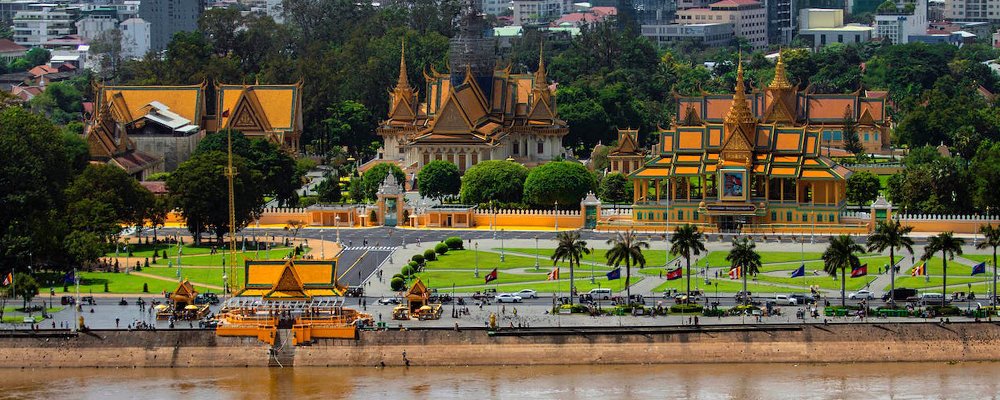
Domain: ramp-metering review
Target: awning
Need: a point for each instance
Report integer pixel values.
(686, 171)
(784, 172)
(652, 173)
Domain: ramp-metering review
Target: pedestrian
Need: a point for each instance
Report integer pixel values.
(696, 320)
(503, 309)
(116, 323)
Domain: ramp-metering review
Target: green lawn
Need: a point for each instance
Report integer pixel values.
(444, 279)
(20, 319)
(208, 276)
(935, 267)
(823, 280)
(93, 282)
(726, 286)
(920, 282)
(654, 256)
(583, 285)
(466, 260)
(146, 250)
(216, 260)
(986, 258)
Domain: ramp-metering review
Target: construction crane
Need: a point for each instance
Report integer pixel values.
(231, 176)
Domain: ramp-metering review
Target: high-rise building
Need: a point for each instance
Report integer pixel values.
(748, 17)
(39, 23)
(135, 37)
(167, 17)
(781, 24)
(898, 24)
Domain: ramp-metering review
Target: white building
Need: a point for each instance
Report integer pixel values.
(972, 10)
(40, 23)
(709, 35)
(528, 12)
(748, 17)
(135, 37)
(826, 26)
(898, 26)
(92, 26)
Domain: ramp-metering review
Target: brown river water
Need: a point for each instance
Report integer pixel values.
(703, 381)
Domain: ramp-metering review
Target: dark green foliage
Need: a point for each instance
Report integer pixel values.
(329, 190)
(454, 243)
(615, 188)
(407, 271)
(199, 188)
(559, 181)
(278, 169)
(419, 258)
(494, 180)
(863, 188)
(441, 248)
(397, 284)
(430, 255)
(106, 286)
(438, 179)
(689, 308)
(373, 178)
(145, 287)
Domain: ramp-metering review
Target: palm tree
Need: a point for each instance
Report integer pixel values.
(687, 241)
(891, 235)
(626, 247)
(991, 238)
(839, 255)
(948, 245)
(570, 249)
(744, 254)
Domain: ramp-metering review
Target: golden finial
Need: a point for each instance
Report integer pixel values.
(780, 76)
(540, 77)
(739, 111)
(403, 82)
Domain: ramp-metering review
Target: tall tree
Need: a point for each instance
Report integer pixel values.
(493, 180)
(103, 198)
(373, 178)
(852, 142)
(991, 238)
(863, 188)
(840, 255)
(686, 242)
(281, 177)
(626, 248)
(570, 249)
(891, 235)
(948, 245)
(438, 179)
(744, 255)
(615, 188)
(198, 188)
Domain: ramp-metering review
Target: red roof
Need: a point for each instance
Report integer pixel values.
(734, 3)
(595, 14)
(7, 46)
(42, 70)
(156, 187)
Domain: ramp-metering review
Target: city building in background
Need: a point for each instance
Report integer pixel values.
(826, 26)
(748, 18)
(167, 17)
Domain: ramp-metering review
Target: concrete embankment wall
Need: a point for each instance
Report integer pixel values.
(716, 344)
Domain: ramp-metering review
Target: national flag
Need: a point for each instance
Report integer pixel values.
(859, 271)
(69, 278)
(675, 274)
(800, 271)
(492, 276)
(7, 280)
(979, 268)
(554, 275)
(735, 273)
(919, 270)
(614, 274)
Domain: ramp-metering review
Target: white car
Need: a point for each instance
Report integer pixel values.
(784, 300)
(862, 294)
(527, 294)
(507, 298)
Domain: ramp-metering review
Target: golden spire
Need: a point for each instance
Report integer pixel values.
(402, 83)
(780, 77)
(540, 77)
(739, 112)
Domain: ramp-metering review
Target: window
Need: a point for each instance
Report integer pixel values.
(427, 158)
(695, 215)
(516, 148)
(774, 216)
(866, 136)
(680, 214)
(805, 217)
(774, 189)
(695, 183)
(541, 147)
(819, 217)
(788, 216)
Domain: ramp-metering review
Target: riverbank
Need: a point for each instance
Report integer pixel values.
(790, 343)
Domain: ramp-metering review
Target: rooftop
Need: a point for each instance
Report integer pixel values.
(8, 46)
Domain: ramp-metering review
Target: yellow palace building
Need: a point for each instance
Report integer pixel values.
(756, 166)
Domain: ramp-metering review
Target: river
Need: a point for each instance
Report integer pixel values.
(703, 381)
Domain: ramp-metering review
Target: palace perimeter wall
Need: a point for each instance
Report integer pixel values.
(916, 342)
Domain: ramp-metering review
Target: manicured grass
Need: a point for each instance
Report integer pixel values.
(560, 287)
(93, 282)
(920, 282)
(986, 258)
(726, 286)
(935, 267)
(208, 276)
(445, 279)
(20, 319)
(146, 250)
(823, 280)
(466, 260)
(655, 256)
(216, 260)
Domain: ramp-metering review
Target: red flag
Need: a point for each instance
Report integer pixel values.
(492, 276)
(919, 271)
(735, 273)
(675, 274)
(7, 280)
(554, 275)
(859, 271)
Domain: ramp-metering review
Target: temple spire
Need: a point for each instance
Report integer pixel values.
(540, 76)
(403, 82)
(739, 112)
(780, 80)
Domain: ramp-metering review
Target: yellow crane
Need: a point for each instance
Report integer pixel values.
(231, 176)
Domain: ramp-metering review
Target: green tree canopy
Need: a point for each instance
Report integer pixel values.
(863, 188)
(329, 190)
(438, 179)
(497, 180)
(615, 189)
(373, 178)
(281, 178)
(199, 189)
(37, 56)
(565, 182)
(103, 198)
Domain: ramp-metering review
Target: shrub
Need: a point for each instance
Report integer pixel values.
(454, 243)
(65, 288)
(686, 308)
(944, 311)
(430, 255)
(397, 284)
(714, 312)
(418, 258)
(106, 287)
(496, 180)
(145, 287)
(146, 263)
(441, 248)
(407, 271)
(400, 276)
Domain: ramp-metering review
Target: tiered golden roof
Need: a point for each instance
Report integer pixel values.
(739, 112)
(780, 80)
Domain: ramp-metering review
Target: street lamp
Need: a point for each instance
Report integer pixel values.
(322, 245)
(557, 215)
(501, 245)
(477, 259)
(536, 252)
(592, 262)
(336, 221)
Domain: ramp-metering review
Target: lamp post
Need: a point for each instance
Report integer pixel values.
(477, 259)
(592, 262)
(557, 215)
(968, 303)
(501, 245)
(322, 245)
(225, 284)
(812, 235)
(336, 221)
(536, 252)
(76, 306)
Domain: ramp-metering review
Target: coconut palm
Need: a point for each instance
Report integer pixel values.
(687, 241)
(744, 254)
(839, 255)
(991, 238)
(570, 249)
(626, 247)
(948, 245)
(891, 235)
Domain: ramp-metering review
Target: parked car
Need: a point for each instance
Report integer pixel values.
(442, 298)
(208, 324)
(743, 295)
(601, 293)
(88, 300)
(784, 300)
(932, 299)
(585, 298)
(67, 300)
(355, 291)
(801, 298)
(206, 298)
(508, 298)
(527, 294)
(862, 294)
(389, 300)
(900, 294)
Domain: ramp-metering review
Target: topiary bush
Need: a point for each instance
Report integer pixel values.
(441, 248)
(397, 284)
(686, 308)
(454, 243)
(400, 276)
(430, 255)
(944, 311)
(418, 258)
(106, 287)
(414, 265)
(407, 271)
(145, 287)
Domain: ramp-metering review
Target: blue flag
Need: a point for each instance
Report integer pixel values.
(800, 271)
(979, 268)
(69, 278)
(615, 274)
